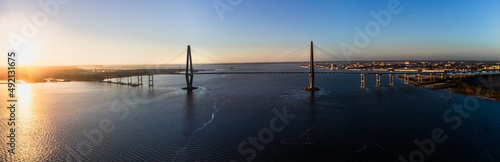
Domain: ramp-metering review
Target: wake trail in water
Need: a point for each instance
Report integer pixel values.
(485, 148)
(214, 111)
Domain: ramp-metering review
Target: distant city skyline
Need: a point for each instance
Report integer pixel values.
(70, 32)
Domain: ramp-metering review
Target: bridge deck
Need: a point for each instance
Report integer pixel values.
(278, 72)
(320, 72)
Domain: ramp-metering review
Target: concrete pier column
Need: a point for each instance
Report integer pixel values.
(363, 80)
(391, 79)
(419, 77)
(139, 80)
(407, 79)
(150, 80)
(378, 83)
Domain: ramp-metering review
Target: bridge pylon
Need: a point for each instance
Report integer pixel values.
(311, 71)
(189, 71)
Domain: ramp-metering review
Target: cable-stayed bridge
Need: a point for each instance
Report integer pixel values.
(292, 63)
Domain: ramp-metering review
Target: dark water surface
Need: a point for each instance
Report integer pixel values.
(95, 121)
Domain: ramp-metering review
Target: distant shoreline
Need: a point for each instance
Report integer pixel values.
(68, 74)
(483, 86)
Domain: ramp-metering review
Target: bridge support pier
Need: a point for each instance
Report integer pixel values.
(151, 80)
(419, 78)
(189, 71)
(442, 76)
(311, 71)
(378, 83)
(431, 77)
(391, 79)
(363, 80)
(407, 79)
(139, 80)
(129, 81)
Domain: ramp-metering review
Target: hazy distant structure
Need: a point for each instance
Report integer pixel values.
(189, 71)
(311, 71)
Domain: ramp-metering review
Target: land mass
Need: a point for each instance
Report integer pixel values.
(484, 85)
(73, 73)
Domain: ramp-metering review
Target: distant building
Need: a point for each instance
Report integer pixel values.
(493, 67)
(406, 70)
(432, 71)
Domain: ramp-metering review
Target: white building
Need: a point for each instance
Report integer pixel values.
(432, 71)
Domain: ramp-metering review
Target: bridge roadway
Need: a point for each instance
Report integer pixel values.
(305, 72)
(283, 72)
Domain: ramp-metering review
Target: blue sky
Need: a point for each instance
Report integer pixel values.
(154, 31)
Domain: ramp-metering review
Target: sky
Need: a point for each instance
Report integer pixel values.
(100, 32)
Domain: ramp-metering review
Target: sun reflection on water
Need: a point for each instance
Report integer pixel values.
(33, 134)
